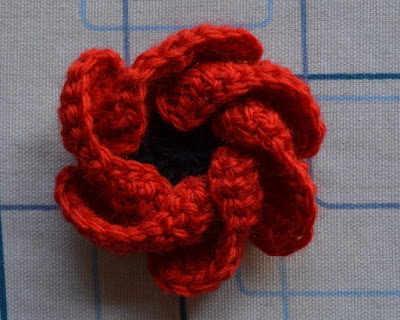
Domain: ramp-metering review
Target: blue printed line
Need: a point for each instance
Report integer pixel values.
(89, 26)
(341, 76)
(125, 15)
(353, 76)
(182, 308)
(3, 294)
(358, 206)
(96, 283)
(304, 47)
(285, 304)
(372, 293)
(358, 98)
(28, 207)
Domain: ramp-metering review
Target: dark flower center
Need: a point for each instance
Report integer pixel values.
(177, 154)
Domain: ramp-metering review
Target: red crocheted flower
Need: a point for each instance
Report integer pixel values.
(257, 186)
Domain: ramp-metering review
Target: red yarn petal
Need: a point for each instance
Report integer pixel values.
(200, 44)
(193, 270)
(289, 209)
(157, 223)
(190, 99)
(235, 188)
(100, 108)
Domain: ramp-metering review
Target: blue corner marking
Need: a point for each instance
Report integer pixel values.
(242, 288)
(3, 295)
(16, 207)
(43, 207)
(331, 76)
(361, 205)
(89, 26)
(288, 293)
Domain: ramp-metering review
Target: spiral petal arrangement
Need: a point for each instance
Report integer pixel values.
(257, 186)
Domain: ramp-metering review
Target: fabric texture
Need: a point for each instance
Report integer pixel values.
(348, 53)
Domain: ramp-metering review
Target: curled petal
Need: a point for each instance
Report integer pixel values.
(235, 189)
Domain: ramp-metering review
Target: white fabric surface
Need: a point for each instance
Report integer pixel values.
(351, 270)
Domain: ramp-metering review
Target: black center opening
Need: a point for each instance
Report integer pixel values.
(177, 154)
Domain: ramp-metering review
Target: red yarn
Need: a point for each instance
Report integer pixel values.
(257, 185)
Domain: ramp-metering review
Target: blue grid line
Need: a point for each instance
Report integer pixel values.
(285, 302)
(304, 45)
(96, 283)
(89, 26)
(3, 297)
(182, 308)
(28, 207)
(125, 14)
(346, 76)
(370, 293)
(358, 206)
(358, 98)
(354, 76)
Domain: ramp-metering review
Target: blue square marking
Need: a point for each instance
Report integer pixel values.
(167, 27)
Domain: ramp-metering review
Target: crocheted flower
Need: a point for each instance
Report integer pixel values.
(263, 123)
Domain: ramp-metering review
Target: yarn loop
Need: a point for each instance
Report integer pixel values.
(263, 123)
